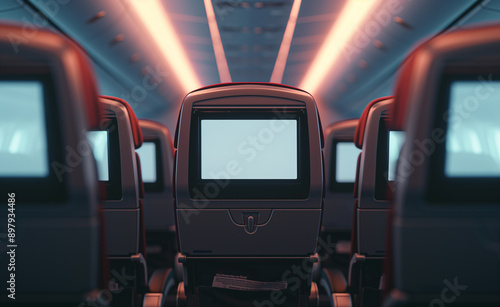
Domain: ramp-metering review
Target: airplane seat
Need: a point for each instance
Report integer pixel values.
(157, 156)
(248, 198)
(340, 173)
(371, 203)
(122, 203)
(162, 279)
(124, 208)
(47, 103)
(445, 217)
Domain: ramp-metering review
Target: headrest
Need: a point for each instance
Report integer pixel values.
(211, 86)
(426, 64)
(151, 125)
(63, 56)
(224, 85)
(360, 130)
(134, 122)
(345, 125)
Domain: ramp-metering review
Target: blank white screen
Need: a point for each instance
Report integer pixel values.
(248, 149)
(99, 142)
(396, 141)
(23, 135)
(147, 154)
(346, 162)
(473, 135)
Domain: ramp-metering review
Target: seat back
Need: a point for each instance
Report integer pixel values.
(48, 177)
(123, 208)
(372, 201)
(372, 194)
(446, 207)
(157, 158)
(340, 172)
(121, 205)
(277, 192)
(249, 189)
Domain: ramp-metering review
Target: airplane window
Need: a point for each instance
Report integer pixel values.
(23, 136)
(250, 148)
(147, 153)
(396, 141)
(345, 167)
(99, 142)
(473, 113)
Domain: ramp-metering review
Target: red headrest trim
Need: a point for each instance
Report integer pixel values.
(134, 122)
(50, 44)
(360, 129)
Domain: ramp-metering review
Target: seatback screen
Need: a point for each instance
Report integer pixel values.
(249, 148)
(147, 154)
(346, 162)
(396, 141)
(23, 132)
(99, 141)
(473, 133)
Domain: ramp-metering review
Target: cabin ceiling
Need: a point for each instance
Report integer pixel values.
(130, 66)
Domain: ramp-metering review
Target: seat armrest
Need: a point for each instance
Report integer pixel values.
(337, 280)
(142, 271)
(342, 300)
(160, 284)
(153, 300)
(160, 280)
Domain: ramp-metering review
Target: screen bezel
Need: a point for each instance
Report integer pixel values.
(107, 146)
(49, 188)
(389, 152)
(443, 189)
(158, 185)
(336, 186)
(251, 188)
(384, 188)
(113, 187)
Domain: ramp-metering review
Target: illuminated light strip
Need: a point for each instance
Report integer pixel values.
(279, 66)
(156, 21)
(220, 56)
(342, 31)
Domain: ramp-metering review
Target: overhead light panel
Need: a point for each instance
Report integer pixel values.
(279, 66)
(152, 14)
(330, 54)
(220, 56)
